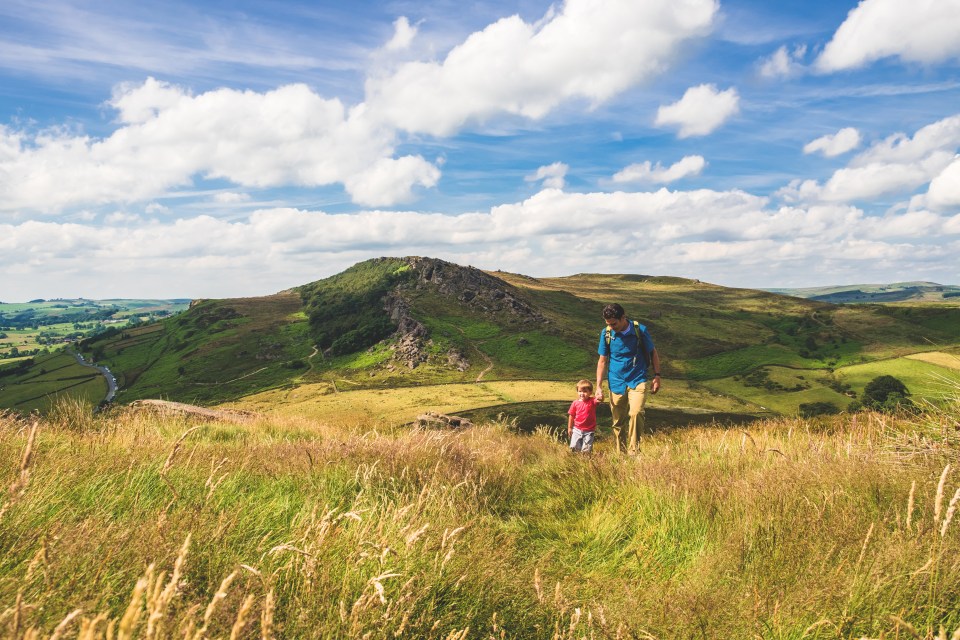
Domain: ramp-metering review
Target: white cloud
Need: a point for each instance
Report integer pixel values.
(645, 172)
(784, 63)
(925, 31)
(230, 197)
(390, 181)
(588, 50)
(287, 136)
(836, 144)
(550, 233)
(700, 111)
(944, 189)
(553, 175)
(898, 164)
(167, 138)
(403, 35)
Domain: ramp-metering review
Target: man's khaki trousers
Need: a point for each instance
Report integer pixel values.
(628, 419)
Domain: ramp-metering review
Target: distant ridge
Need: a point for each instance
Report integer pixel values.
(875, 293)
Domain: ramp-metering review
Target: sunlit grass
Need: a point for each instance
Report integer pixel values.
(135, 524)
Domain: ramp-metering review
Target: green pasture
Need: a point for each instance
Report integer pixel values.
(797, 386)
(53, 375)
(924, 380)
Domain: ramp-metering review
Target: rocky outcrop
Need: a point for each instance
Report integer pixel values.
(470, 287)
(474, 288)
(433, 420)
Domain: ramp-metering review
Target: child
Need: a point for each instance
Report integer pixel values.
(583, 418)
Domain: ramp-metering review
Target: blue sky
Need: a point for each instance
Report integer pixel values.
(221, 149)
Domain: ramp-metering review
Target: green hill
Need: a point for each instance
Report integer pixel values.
(397, 322)
(869, 293)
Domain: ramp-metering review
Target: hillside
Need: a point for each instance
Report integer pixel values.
(416, 322)
(877, 293)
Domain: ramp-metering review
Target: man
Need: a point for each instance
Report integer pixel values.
(626, 353)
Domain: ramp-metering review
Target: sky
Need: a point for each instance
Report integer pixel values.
(212, 149)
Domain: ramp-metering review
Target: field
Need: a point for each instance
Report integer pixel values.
(136, 524)
(38, 389)
(30, 328)
(401, 406)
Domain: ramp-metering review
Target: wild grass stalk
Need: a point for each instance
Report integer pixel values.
(382, 532)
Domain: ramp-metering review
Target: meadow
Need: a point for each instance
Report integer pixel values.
(39, 388)
(136, 524)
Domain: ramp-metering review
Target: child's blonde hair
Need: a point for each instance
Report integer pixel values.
(585, 383)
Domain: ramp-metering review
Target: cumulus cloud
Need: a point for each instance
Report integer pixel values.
(944, 189)
(898, 164)
(167, 138)
(588, 50)
(925, 31)
(784, 63)
(287, 136)
(657, 174)
(553, 175)
(700, 111)
(403, 35)
(835, 144)
(550, 233)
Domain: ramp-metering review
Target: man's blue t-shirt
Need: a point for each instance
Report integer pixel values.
(627, 363)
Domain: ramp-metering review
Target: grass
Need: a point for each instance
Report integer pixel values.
(351, 406)
(922, 378)
(135, 524)
(53, 376)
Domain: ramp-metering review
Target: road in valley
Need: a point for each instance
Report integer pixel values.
(111, 379)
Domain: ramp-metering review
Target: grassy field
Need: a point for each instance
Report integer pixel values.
(38, 389)
(923, 379)
(134, 524)
(350, 407)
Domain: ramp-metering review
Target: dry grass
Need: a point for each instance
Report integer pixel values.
(133, 525)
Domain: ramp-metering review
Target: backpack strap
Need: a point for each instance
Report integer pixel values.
(640, 343)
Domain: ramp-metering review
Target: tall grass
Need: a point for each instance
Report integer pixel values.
(135, 525)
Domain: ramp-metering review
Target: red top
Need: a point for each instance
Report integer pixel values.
(584, 414)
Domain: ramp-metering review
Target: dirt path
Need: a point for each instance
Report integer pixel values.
(193, 410)
(489, 364)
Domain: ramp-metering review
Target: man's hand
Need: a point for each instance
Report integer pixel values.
(599, 394)
(655, 386)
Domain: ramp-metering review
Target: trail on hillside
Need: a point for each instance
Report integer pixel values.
(489, 364)
(231, 415)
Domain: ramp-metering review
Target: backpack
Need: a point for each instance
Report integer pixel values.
(640, 343)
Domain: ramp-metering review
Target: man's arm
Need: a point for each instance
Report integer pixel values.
(601, 369)
(655, 357)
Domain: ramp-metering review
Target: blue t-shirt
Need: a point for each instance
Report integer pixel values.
(627, 363)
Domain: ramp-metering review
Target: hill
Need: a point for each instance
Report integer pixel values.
(876, 293)
(419, 323)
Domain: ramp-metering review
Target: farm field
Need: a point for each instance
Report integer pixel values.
(41, 325)
(37, 389)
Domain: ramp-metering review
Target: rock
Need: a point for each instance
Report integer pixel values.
(435, 420)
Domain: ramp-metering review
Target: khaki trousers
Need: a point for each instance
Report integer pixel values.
(628, 419)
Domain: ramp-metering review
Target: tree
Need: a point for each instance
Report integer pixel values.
(885, 393)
